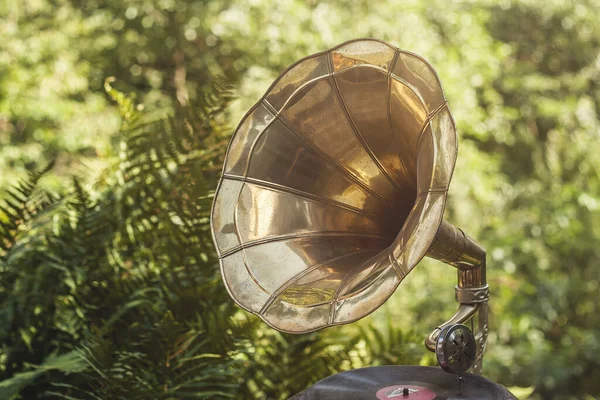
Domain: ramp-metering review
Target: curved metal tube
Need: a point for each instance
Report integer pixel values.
(462, 314)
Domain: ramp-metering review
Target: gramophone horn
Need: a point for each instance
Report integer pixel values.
(334, 187)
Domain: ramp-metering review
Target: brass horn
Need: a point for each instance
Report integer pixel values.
(334, 187)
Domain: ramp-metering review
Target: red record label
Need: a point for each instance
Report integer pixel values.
(398, 392)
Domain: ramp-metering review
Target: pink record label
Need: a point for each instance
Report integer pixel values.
(397, 392)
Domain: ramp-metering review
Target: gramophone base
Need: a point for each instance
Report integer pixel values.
(391, 382)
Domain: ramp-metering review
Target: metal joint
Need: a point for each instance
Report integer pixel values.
(472, 295)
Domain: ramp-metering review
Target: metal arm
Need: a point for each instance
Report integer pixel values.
(454, 247)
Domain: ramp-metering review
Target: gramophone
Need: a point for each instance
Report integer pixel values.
(333, 189)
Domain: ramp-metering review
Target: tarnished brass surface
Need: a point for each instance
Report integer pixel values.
(334, 187)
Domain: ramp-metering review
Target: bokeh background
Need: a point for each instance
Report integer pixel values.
(114, 118)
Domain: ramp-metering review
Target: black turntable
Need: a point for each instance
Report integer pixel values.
(403, 383)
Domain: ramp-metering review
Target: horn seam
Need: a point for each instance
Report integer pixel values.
(437, 110)
(362, 289)
(400, 269)
(389, 110)
(412, 89)
(428, 120)
(313, 234)
(306, 195)
(343, 283)
(418, 95)
(430, 116)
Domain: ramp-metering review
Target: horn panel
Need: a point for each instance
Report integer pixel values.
(240, 147)
(296, 77)
(416, 73)
(408, 115)
(296, 215)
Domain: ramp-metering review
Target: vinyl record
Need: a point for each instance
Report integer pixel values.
(403, 383)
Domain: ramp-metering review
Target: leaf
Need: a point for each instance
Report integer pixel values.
(71, 362)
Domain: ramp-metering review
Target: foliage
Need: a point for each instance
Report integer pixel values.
(56, 55)
(87, 280)
(117, 271)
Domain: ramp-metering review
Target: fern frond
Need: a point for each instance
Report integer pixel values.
(21, 205)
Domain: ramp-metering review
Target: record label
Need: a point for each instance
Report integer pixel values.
(399, 392)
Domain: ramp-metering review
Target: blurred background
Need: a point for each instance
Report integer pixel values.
(114, 118)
